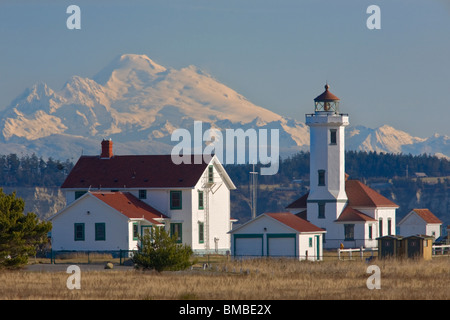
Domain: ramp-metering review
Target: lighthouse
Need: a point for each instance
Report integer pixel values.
(327, 197)
(352, 214)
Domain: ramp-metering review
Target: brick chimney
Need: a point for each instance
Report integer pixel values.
(107, 152)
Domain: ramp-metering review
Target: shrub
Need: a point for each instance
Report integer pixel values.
(161, 252)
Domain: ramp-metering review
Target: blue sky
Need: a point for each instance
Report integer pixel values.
(278, 54)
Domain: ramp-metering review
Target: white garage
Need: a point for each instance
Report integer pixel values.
(281, 234)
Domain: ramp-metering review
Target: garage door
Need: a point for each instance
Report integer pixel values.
(248, 245)
(281, 245)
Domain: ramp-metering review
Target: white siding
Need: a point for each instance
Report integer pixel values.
(116, 227)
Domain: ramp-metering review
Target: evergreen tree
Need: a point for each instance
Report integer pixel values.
(160, 251)
(20, 234)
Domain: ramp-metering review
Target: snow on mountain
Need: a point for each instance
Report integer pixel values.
(139, 103)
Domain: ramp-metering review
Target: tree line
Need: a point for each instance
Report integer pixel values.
(358, 164)
(31, 171)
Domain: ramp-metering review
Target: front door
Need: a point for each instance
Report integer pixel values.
(413, 247)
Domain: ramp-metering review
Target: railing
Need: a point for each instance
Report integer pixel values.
(442, 249)
(360, 250)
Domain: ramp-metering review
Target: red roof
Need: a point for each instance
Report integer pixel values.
(133, 171)
(360, 195)
(129, 205)
(427, 215)
(293, 221)
(326, 96)
(350, 214)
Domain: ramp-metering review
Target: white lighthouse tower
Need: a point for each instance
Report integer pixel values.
(327, 197)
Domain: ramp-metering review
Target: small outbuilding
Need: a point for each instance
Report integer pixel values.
(420, 221)
(390, 246)
(419, 246)
(280, 234)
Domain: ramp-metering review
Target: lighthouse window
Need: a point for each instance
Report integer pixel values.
(321, 211)
(321, 177)
(333, 136)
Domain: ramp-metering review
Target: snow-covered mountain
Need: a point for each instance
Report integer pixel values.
(138, 104)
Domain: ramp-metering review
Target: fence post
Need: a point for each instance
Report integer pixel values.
(362, 253)
(339, 254)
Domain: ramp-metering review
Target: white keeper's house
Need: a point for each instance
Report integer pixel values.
(112, 199)
(351, 213)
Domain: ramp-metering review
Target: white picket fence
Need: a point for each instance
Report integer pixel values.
(350, 256)
(441, 249)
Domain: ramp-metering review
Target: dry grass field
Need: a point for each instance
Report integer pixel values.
(265, 279)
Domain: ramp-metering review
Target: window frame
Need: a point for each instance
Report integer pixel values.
(135, 233)
(321, 210)
(142, 194)
(97, 225)
(180, 206)
(83, 231)
(333, 136)
(178, 226)
(349, 232)
(321, 178)
(201, 232)
(201, 200)
(211, 173)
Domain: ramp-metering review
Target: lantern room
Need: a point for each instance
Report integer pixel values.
(327, 102)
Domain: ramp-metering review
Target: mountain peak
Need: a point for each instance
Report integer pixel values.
(128, 66)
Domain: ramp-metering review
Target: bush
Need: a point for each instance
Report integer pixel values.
(161, 252)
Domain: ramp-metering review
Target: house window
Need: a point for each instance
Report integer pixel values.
(79, 231)
(78, 194)
(333, 136)
(321, 177)
(200, 200)
(100, 231)
(142, 194)
(380, 226)
(201, 232)
(310, 242)
(135, 231)
(175, 200)
(389, 226)
(370, 232)
(211, 174)
(176, 231)
(321, 211)
(349, 230)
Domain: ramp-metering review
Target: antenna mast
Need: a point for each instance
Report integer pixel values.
(254, 189)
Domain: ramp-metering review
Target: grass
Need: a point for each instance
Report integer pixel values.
(264, 279)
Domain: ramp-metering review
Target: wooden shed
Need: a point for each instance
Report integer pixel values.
(418, 246)
(390, 246)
